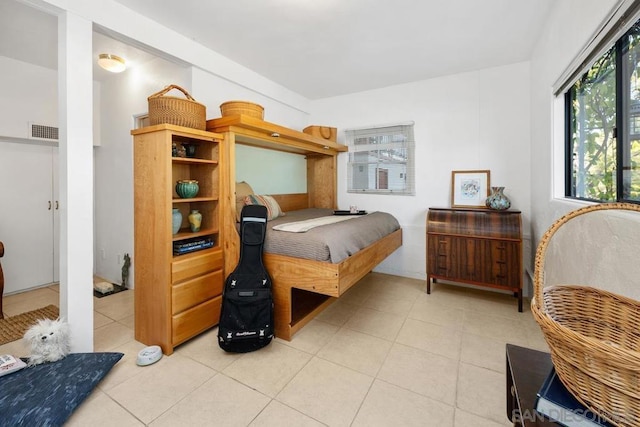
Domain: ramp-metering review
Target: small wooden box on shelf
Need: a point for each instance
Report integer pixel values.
(176, 296)
(480, 247)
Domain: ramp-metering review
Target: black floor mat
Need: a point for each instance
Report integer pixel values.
(116, 289)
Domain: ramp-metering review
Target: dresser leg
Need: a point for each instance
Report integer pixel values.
(428, 285)
(520, 301)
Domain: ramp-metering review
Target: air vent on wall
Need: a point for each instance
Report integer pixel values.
(49, 133)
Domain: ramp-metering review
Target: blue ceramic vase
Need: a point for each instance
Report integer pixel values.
(176, 220)
(497, 200)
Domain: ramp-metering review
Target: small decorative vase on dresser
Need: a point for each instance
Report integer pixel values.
(497, 200)
(195, 219)
(176, 220)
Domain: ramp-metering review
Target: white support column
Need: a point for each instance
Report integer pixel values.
(75, 109)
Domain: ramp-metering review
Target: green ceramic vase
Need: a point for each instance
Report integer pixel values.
(187, 188)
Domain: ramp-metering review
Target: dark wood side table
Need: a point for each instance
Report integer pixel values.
(526, 371)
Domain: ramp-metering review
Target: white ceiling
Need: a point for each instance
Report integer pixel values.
(322, 48)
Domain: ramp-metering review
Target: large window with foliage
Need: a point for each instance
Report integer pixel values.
(381, 160)
(603, 126)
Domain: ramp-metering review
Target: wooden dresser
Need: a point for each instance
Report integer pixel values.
(476, 246)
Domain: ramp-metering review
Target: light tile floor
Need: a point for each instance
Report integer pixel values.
(385, 354)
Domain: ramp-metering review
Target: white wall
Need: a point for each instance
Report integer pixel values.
(122, 97)
(570, 25)
(213, 90)
(29, 94)
(476, 120)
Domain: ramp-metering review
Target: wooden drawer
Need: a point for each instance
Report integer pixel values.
(195, 291)
(504, 260)
(195, 264)
(453, 257)
(196, 320)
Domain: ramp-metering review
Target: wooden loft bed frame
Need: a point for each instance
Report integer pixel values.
(301, 288)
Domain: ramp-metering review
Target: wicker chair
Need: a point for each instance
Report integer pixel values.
(587, 302)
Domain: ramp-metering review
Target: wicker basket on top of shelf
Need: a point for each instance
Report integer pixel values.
(234, 108)
(185, 112)
(593, 334)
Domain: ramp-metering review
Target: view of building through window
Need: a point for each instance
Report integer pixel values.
(381, 160)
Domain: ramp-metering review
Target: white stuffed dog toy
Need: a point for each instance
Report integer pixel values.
(49, 341)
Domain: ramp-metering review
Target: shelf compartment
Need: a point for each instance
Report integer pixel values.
(209, 211)
(205, 174)
(205, 150)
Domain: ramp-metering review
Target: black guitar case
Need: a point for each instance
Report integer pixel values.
(246, 319)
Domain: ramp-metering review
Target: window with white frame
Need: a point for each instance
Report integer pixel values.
(381, 160)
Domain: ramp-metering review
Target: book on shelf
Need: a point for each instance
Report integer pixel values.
(9, 364)
(191, 242)
(556, 402)
(188, 249)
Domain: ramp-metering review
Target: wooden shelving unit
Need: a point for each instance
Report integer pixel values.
(176, 296)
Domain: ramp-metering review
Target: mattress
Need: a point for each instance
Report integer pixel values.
(328, 243)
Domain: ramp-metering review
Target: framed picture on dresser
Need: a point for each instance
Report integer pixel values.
(469, 189)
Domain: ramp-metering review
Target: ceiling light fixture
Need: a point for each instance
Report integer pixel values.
(112, 63)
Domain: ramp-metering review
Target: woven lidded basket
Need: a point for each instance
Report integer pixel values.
(176, 111)
(593, 334)
(324, 132)
(245, 108)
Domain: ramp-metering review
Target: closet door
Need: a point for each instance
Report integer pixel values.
(27, 214)
(55, 197)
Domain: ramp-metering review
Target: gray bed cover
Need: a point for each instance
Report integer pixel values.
(329, 243)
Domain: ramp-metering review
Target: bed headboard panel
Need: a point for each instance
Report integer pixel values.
(292, 202)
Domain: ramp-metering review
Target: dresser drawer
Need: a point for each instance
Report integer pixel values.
(196, 264)
(187, 294)
(503, 263)
(196, 320)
